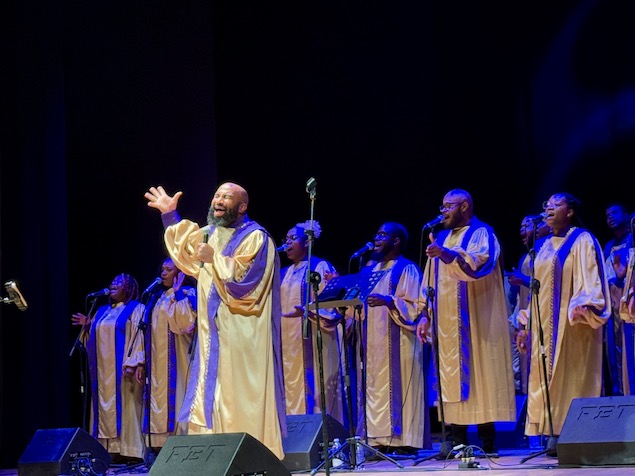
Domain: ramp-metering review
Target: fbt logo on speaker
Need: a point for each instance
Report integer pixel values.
(604, 411)
(191, 453)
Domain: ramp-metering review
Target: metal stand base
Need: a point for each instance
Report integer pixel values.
(445, 450)
(550, 448)
(352, 444)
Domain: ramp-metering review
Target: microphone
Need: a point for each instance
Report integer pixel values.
(205, 240)
(15, 296)
(310, 185)
(103, 292)
(151, 286)
(283, 247)
(433, 223)
(537, 218)
(367, 247)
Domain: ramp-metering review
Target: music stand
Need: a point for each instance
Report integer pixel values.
(348, 291)
(342, 292)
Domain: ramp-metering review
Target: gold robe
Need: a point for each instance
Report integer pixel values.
(236, 382)
(570, 270)
(470, 310)
(107, 349)
(300, 358)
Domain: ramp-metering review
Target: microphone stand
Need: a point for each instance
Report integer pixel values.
(312, 280)
(354, 441)
(534, 288)
(83, 363)
(311, 186)
(147, 353)
(446, 446)
(145, 326)
(315, 279)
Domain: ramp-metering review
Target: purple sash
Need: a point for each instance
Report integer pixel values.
(91, 350)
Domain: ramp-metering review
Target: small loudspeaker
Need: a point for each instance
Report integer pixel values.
(223, 454)
(598, 431)
(63, 451)
(303, 446)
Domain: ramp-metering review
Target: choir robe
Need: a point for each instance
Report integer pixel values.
(394, 393)
(172, 315)
(117, 403)
(235, 382)
(570, 270)
(469, 312)
(300, 354)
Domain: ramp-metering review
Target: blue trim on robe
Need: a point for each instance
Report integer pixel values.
(237, 290)
(120, 350)
(172, 365)
(307, 344)
(394, 357)
(559, 260)
(465, 344)
(394, 335)
(629, 352)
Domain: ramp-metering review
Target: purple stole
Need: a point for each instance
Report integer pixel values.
(394, 359)
(237, 290)
(307, 344)
(465, 344)
(558, 264)
(171, 370)
(120, 350)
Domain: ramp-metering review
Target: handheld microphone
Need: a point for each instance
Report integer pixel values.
(103, 292)
(283, 247)
(151, 286)
(205, 240)
(367, 247)
(537, 218)
(15, 296)
(433, 223)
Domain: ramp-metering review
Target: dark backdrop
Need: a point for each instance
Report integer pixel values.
(388, 105)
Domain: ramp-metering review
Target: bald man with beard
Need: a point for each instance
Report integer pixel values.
(236, 381)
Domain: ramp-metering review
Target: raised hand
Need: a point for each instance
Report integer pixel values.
(159, 199)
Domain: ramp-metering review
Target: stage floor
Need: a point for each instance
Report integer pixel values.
(512, 462)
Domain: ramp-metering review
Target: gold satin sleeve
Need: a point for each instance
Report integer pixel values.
(181, 240)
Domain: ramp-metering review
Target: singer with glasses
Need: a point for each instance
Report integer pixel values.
(299, 354)
(464, 271)
(532, 228)
(170, 315)
(235, 384)
(572, 306)
(392, 411)
(116, 395)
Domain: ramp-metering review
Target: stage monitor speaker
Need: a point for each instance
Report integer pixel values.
(69, 451)
(598, 431)
(303, 446)
(222, 454)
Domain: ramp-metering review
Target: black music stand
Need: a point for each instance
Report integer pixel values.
(342, 292)
(349, 290)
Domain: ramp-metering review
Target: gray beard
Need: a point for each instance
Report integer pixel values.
(230, 217)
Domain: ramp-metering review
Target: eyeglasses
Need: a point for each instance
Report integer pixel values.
(382, 235)
(547, 204)
(448, 206)
(290, 238)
